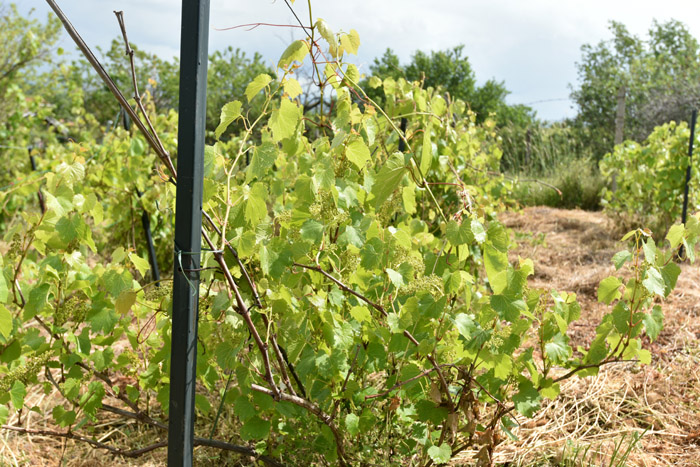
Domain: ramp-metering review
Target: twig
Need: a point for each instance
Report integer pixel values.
(399, 384)
(110, 84)
(314, 409)
(141, 451)
(318, 269)
(198, 441)
(257, 25)
(137, 94)
(71, 435)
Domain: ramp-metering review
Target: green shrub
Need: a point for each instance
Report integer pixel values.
(651, 179)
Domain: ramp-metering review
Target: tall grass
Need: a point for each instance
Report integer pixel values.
(556, 155)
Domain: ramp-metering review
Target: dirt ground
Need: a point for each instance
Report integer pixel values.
(593, 418)
(660, 402)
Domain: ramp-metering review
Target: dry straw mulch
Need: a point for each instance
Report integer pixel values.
(659, 402)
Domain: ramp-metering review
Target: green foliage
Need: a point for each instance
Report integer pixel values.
(659, 73)
(556, 155)
(26, 45)
(451, 72)
(578, 180)
(651, 178)
(370, 314)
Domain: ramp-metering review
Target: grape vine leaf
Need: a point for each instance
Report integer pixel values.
(388, 179)
(670, 273)
(620, 258)
(263, 159)
(465, 325)
(496, 264)
(675, 235)
(5, 322)
(125, 301)
(478, 231)
(284, 120)
(527, 400)
(441, 454)
(459, 234)
(352, 424)
(350, 42)
(609, 290)
(296, 51)
(37, 301)
(256, 86)
(361, 314)
(426, 158)
(18, 391)
(229, 113)
(292, 87)
(395, 277)
(358, 153)
(558, 350)
(654, 322)
(4, 291)
(654, 282)
(142, 265)
(326, 32)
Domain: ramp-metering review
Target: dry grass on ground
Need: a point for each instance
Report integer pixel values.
(661, 401)
(572, 251)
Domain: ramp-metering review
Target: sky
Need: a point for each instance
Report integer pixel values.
(532, 45)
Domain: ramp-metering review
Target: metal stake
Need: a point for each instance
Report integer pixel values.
(188, 227)
(693, 120)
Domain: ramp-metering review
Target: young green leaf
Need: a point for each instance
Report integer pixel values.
(620, 258)
(352, 424)
(441, 454)
(264, 157)
(427, 152)
(358, 153)
(255, 428)
(5, 322)
(17, 393)
(654, 322)
(256, 86)
(292, 88)
(609, 290)
(229, 113)
(654, 282)
(675, 235)
(350, 42)
(388, 179)
(295, 52)
(284, 121)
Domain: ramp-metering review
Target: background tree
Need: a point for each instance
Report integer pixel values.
(660, 76)
(229, 73)
(26, 44)
(450, 71)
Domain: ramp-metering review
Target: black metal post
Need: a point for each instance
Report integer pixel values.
(402, 144)
(145, 220)
(152, 259)
(693, 121)
(39, 195)
(188, 225)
